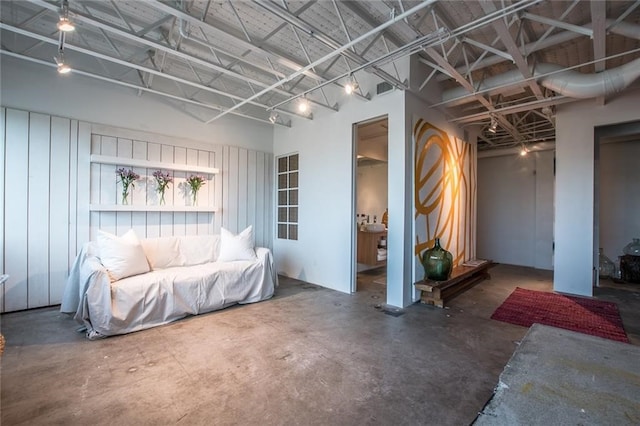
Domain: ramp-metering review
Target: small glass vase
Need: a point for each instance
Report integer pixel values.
(437, 262)
(194, 198)
(161, 192)
(125, 196)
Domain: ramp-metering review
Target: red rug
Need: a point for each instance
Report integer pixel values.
(589, 316)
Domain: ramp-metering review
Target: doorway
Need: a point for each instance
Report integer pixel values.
(370, 213)
(616, 202)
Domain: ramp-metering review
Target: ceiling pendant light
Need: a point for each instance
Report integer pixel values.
(62, 67)
(303, 105)
(273, 117)
(351, 85)
(64, 24)
(494, 125)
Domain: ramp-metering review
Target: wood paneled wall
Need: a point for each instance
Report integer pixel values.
(48, 183)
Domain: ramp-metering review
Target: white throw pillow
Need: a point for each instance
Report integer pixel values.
(236, 247)
(122, 257)
(163, 252)
(198, 249)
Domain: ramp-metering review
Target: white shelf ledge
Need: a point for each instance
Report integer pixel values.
(132, 162)
(143, 208)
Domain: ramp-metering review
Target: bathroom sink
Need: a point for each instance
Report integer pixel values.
(374, 227)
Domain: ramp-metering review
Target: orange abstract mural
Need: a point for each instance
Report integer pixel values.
(444, 191)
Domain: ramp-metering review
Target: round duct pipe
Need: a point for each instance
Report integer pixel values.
(567, 83)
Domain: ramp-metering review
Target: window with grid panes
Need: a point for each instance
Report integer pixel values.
(288, 197)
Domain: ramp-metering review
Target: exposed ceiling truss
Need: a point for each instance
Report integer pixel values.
(503, 62)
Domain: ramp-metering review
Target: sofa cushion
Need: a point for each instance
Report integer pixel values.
(199, 249)
(236, 247)
(163, 252)
(122, 256)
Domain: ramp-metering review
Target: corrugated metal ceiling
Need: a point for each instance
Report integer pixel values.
(217, 56)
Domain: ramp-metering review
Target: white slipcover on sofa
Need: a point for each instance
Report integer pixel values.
(138, 284)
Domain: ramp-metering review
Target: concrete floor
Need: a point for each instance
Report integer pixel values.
(560, 377)
(308, 356)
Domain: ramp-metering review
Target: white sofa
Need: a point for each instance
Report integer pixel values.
(183, 276)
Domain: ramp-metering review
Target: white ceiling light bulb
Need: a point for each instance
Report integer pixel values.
(62, 67)
(523, 152)
(64, 24)
(273, 117)
(351, 85)
(348, 88)
(303, 105)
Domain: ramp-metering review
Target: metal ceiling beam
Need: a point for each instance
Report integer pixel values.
(513, 109)
(336, 52)
(539, 76)
(278, 57)
(131, 65)
(317, 34)
(443, 63)
(599, 26)
(81, 17)
(483, 46)
(526, 50)
(550, 29)
(355, 8)
(504, 34)
(136, 87)
(624, 14)
(154, 25)
(492, 16)
(615, 27)
(558, 24)
(409, 49)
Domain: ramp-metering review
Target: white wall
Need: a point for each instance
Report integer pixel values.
(46, 180)
(323, 252)
(515, 209)
(33, 87)
(45, 209)
(461, 231)
(574, 214)
(619, 196)
(49, 183)
(372, 190)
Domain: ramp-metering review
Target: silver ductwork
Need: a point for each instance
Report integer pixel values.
(625, 29)
(570, 83)
(585, 86)
(567, 83)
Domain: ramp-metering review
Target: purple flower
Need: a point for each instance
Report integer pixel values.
(127, 177)
(195, 182)
(162, 179)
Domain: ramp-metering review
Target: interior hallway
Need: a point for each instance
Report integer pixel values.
(307, 356)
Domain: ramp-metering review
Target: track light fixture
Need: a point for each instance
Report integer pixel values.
(64, 24)
(62, 67)
(524, 151)
(351, 85)
(494, 125)
(273, 117)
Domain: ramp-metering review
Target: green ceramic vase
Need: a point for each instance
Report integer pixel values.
(437, 263)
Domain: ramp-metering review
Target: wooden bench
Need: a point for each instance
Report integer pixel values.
(462, 278)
